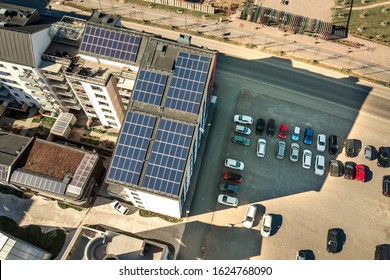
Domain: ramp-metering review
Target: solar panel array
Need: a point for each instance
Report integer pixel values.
(110, 43)
(150, 87)
(188, 82)
(81, 175)
(35, 181)
(167, 162)
(131, 148)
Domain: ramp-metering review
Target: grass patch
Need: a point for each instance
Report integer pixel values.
(51, 242)
(43, 130)
(67, 206)
(93, 140)
(149, 214)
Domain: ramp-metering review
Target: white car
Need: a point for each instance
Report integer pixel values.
(261, 146)
(234, 164)
(249, 216)
(321, 142)
(306, 159)
(294, 152)
(228, 200)
(266, 225)
(243, 119)
(119, 207)
(242, 129)
(319, 168)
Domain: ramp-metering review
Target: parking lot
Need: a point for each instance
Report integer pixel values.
(303, 205)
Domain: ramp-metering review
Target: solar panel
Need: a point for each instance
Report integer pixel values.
(150, 87)
(188, 82)
(167, 162)
(119, 45)
(81, 175)
(22, 177)
(131, 148)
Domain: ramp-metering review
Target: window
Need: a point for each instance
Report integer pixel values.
(112, 124)
(109, 117)
(15, 68)
(2, 65)
(103, 104)
(96, 88)
(16, 94)
(100, 96)
(28, 97)
(107, 111)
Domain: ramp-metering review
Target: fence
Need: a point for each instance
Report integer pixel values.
(185, 5)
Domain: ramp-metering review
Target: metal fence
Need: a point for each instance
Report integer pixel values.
(186, 5)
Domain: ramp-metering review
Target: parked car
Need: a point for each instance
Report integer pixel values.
(242, 129)
(260, 124)
(369, 152)
(349, 145)
(295, 134)
(283, 131)
(243, 119)
(241, 140)
(308, 136)
(350, 170)
(280, 149)
(233, 177)
(234, 164)
(294, 152)
(306, 159)
(332, 245)
(227, 200)
(261, 147)
(266, 225)
(119, 207)
(321, 142)
(319, 167)
(336, 168)
(360, 173)
(386, 185)
(384, 157)
(250, 215)
(301, 255)
(333, 145)
(229, 188)
(381, 253)
(271, 127)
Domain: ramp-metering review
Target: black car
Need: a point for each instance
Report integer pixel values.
(260, 126)
(384, 157)
(381, 253)
(271, 127)
(229, 188)
(349, 147)
(333, 145)
(350, 170)
(332, 244)
(386, 185)
(336, 168)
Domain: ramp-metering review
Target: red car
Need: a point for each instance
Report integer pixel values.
(283, 131)
(360, 173)
(233, 177)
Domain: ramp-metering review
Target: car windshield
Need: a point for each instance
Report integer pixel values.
(320, 167)
(224, 199)
(266, 229)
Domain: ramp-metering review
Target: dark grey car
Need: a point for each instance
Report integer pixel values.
(336, 168)
(229, 188)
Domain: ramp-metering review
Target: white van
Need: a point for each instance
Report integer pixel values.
(261, 146)
(249, 216)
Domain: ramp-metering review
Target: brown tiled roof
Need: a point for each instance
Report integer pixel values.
(51, 159)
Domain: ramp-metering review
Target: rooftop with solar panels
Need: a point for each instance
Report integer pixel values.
(156, 139)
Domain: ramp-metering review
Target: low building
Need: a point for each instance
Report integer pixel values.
(102, 244)
(49, 169)
(12, 248)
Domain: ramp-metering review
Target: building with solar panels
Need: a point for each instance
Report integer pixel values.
(49, 169)
(157, 147)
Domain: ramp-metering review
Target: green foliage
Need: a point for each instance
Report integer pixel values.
(67, 206)
(149, 214)
(51, 242)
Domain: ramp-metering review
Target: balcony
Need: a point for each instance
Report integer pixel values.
(35, 87)
(56, 84)
(57, 77)
(27, 78)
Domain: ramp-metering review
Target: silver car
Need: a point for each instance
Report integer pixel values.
(306, 159)
(266, 225)
(228, 200)
(294, 152)
(319, 167)
(280, 149)
(261, 147)
(242, 129)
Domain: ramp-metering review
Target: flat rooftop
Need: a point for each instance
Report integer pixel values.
(10, 147)
(51, 159)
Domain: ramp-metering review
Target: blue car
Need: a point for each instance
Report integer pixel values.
(308, 136)
(295, 133)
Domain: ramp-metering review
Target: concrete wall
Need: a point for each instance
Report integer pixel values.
(185, 5)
